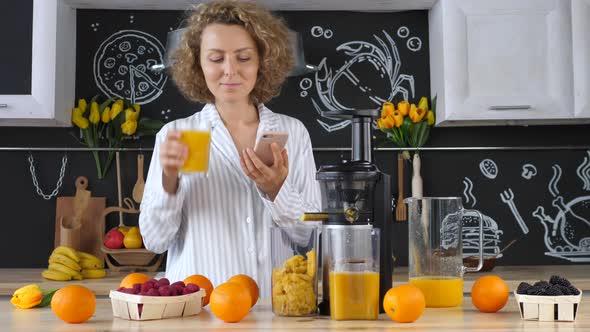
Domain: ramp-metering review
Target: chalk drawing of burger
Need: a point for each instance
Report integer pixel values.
(470, 235)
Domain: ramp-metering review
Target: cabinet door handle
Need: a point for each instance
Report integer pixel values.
(3, 105)
(509, 107)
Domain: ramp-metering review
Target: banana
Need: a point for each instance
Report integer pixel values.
(94, 273)
(64, 269)
(56, 275)
(65, 260)
(88, 261)
(87, 264)
(67, 251)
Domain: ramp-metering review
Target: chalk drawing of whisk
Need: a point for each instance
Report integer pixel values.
(508, 198)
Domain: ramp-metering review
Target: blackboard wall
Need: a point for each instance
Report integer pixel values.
(29, 220)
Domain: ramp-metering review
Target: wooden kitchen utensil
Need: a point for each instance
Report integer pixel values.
(119, 197)
(91, 222)
(71, 226)
(139, 185)
(401, 210)
(80, 200)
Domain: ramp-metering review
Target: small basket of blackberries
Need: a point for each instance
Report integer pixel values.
(553, 300)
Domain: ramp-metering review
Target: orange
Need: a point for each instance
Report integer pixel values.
(134, 278)
(230, 302)
(404, 303)
(249, 283)
(73, 304)
(202, 282)
(489, 293)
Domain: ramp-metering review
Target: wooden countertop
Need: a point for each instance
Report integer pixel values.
(465, 318)
(579, 275)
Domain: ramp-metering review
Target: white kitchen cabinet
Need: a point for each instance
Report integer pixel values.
(502, 62)
(581, 56)
(51, 95)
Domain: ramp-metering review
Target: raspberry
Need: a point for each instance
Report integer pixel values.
(179, 283)
(146, 286)
(153, 292)
(164, 291)
(523, 287)
(552, 291)
(192, 288)
(557, 280)
(163, 282)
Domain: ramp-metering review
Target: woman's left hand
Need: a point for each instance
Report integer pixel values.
(269, 179)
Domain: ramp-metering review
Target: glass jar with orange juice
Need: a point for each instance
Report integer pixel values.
(436, 251)
(353, 272)
(197, 137)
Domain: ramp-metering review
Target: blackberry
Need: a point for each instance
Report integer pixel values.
(557, 280)
(574, 290)
(552, 291)
(535, 291)
(523, 287)
(542, 284)
(564, 290)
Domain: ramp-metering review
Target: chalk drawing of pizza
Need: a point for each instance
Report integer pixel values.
(122, 63)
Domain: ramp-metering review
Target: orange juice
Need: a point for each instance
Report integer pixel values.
(354, 295)
(198, 150)
(440, 291)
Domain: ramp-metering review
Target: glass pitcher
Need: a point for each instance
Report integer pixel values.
(435, 248)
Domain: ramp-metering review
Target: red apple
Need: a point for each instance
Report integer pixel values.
(114, 239)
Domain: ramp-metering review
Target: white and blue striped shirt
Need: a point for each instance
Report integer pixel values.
(218, 225)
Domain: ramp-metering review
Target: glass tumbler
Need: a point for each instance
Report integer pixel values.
(353, 261)
(294, 270)
(197, 137)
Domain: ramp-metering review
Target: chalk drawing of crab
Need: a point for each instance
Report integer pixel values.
(372, 71)
(567, 235)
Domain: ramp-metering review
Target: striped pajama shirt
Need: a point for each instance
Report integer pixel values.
(218, 224)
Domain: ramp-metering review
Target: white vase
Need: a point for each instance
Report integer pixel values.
(416, 177)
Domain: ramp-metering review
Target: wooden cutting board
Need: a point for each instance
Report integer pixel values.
(92, 222)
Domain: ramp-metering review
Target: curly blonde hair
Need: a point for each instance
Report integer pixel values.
(269, 32)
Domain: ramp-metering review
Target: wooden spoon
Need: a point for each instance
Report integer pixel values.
(140, 183)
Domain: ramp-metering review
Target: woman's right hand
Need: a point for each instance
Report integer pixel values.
(173, 153)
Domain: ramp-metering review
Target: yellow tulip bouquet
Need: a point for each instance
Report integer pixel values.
(408, 125)
(108, 124)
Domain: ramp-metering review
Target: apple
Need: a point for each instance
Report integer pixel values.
(114, 239)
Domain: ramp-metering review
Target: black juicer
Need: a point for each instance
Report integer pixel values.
(356, 194)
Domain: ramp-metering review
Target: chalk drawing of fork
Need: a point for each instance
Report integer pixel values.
(508, 198)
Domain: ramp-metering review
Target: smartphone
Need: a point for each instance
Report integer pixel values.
(262, 148)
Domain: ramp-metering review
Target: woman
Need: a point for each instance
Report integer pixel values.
(234, 57)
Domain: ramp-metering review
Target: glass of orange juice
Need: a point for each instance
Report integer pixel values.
(353, 272)
(197, 137)
(436, 250)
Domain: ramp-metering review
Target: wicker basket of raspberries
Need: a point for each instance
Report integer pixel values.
(157, 299)
(553, 300)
